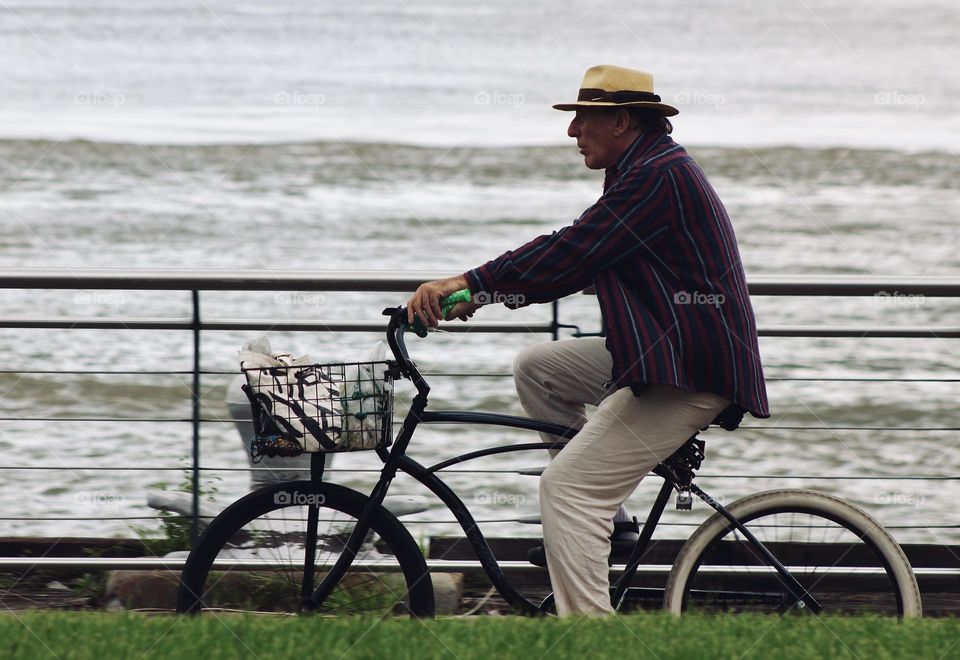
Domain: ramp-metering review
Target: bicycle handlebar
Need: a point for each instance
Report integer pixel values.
(398, 325)
(446, 304)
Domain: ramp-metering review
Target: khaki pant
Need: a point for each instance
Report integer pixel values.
(602, 465)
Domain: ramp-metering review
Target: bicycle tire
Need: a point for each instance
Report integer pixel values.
(270, 524)
(711, 558)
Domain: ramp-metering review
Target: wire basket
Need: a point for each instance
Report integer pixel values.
(320, 407)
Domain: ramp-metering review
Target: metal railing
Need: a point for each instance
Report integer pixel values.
(196, 282)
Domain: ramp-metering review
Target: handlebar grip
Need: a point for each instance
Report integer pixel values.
(446, 304)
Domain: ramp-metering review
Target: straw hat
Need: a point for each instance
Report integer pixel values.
(607, 86)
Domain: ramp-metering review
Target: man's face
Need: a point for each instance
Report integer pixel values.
(594, 130)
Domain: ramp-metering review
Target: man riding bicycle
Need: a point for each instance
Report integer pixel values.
(679, 349)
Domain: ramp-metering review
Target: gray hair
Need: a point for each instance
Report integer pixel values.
(648, 119)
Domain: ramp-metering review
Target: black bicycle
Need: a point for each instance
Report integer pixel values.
(317, 547)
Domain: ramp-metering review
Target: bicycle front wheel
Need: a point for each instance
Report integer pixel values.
(840, 555)
(269, 550)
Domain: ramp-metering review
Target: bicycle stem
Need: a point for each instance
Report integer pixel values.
(395, 330)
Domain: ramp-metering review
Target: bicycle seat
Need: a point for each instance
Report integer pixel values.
(729, 418)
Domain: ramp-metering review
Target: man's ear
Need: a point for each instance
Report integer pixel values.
(621, 121)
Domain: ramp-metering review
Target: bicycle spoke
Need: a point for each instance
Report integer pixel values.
(833, 559)
(265, 557)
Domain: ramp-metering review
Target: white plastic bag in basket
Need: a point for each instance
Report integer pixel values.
(364, 399)
(295, 395)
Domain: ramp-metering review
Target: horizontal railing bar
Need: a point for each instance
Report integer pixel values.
(115, 468)
(700, 476)
(143, 563)
(216, 280)
(139, 468)
(458, 375)
(152, 420)
(779, 427)
(124, 420)
(96, 518)
(96, 323)
(874, 332)
(815, 379)
(428, 522)
(847, 285)
(408, 281)
(437, 374)
(388, 565)
(750, 427)
(99, 468)
(208, 518)
(528, 471)
(420, 522)
(853, 379)
(203, 372)
(118, 420)
(841, 477)
(108, 373)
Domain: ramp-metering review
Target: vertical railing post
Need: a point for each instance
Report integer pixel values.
(555, 323)
(195, 419)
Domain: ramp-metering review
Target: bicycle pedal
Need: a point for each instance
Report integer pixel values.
(684, 500)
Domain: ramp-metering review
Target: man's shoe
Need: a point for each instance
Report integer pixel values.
(625, 535)
(624, 538)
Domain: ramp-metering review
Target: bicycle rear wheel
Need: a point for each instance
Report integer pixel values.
(267, 550)
(846, 560)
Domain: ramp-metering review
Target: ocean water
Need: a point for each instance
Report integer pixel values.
(411, 136)
(806, 73)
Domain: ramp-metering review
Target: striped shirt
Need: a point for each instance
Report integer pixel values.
(661, 252)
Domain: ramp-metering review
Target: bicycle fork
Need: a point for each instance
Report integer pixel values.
(317, 463)
(312, 598)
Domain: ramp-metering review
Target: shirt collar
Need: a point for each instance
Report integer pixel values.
(640, 146)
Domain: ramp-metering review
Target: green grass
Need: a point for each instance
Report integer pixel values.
(101, 635)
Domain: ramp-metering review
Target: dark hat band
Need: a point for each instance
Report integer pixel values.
(623, 96)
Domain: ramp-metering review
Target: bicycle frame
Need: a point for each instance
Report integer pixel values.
(396, 460)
